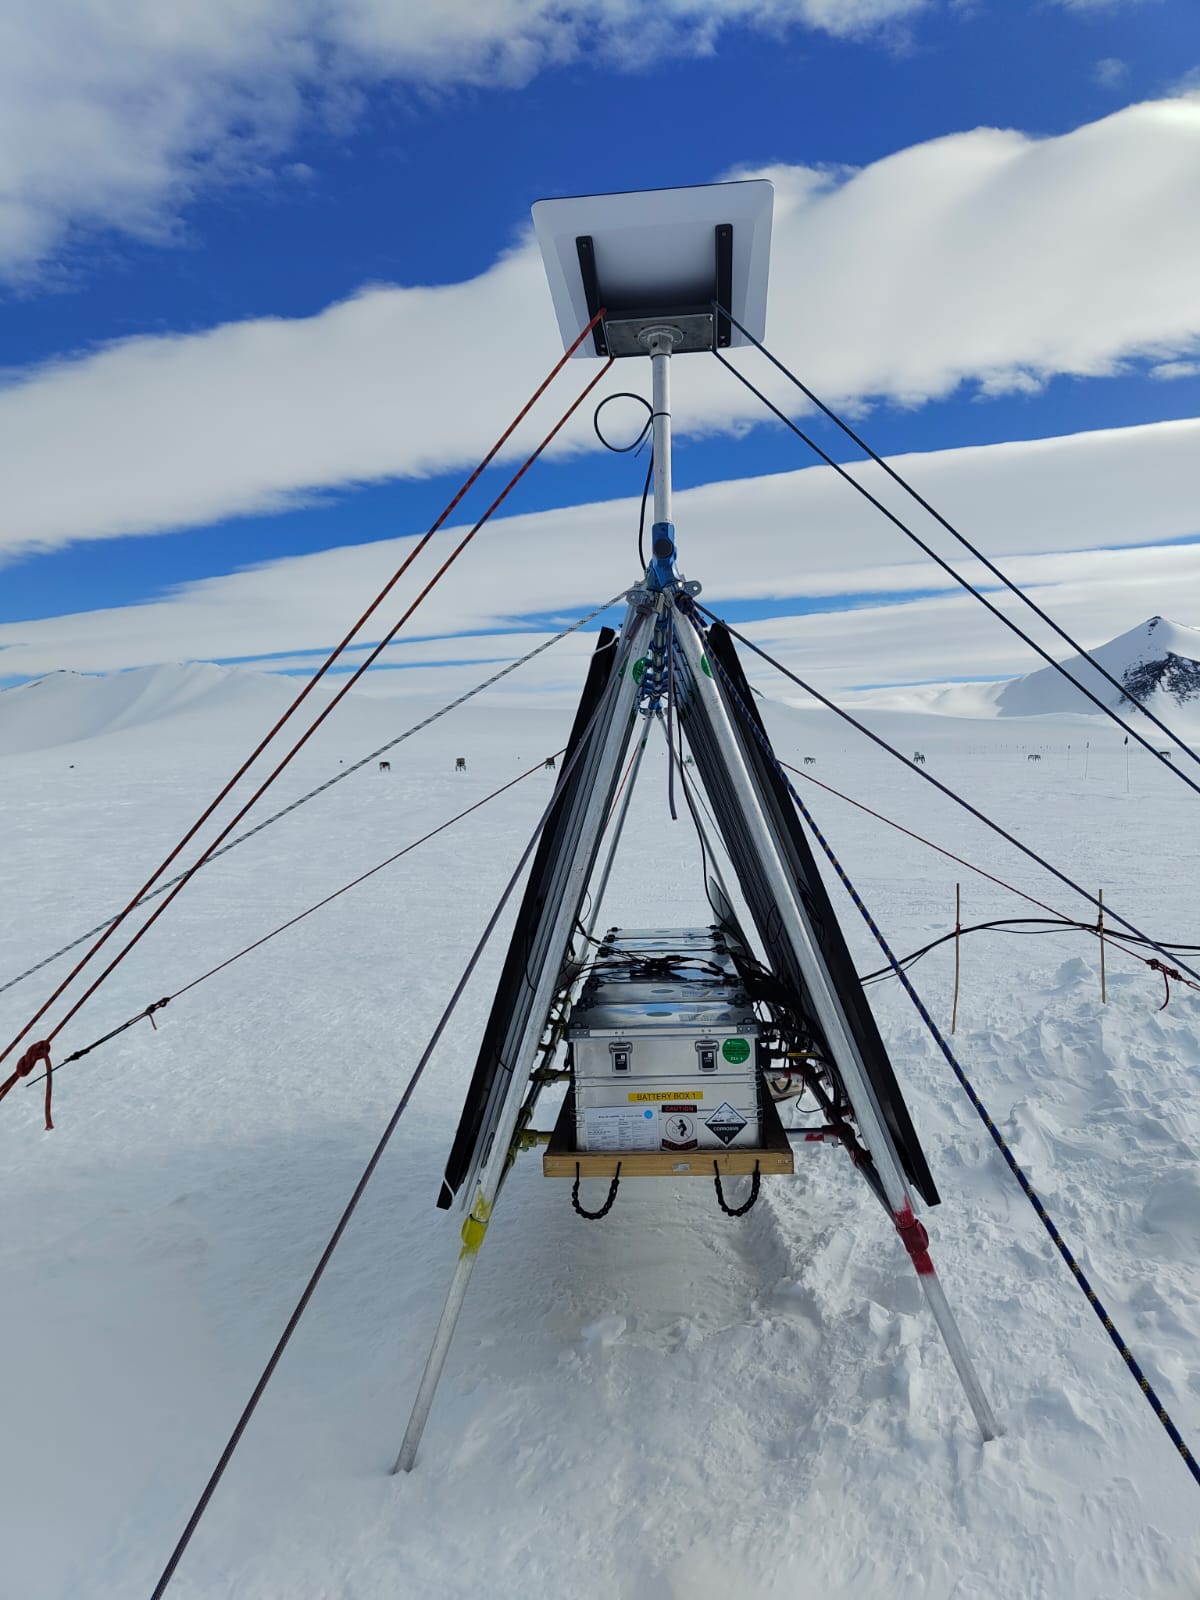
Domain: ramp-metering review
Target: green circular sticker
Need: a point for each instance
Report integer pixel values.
(736, 1050)
(639, 667)
(705, 668)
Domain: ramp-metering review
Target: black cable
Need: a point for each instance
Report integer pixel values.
(966, 584)
(929, 778)
(624, 449)
(686, 787)
(670, 648)
(1119, 941)
(623, 394)
(964, 541)
(642, 512)
(1000, 925)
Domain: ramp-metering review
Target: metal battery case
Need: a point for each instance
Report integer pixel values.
(663, 1046)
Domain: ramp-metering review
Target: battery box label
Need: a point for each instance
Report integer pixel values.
(663, 1094)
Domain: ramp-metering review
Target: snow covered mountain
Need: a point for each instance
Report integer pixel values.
(1158, 662)
(64, 707)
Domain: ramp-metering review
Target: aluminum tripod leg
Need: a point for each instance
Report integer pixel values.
(947, 1325)
(473, 1231)
(829, 1014)
(612, 739)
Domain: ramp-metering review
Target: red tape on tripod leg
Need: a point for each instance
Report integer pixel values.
(915, 1240)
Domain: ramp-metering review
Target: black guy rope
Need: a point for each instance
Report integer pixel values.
(240, 1426)
(951, 794)
(356, 766)
(965, 583)
(77, 1055)
(40, 1045)
(962, 539)
(998, 1139)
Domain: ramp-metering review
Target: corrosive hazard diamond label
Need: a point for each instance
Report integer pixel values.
(725, 1122)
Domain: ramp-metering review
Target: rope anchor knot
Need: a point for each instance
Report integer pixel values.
(37, 1052)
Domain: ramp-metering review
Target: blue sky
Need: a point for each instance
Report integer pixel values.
(263, 161)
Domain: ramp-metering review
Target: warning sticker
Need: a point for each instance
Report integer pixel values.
(678, 1132)
(725, 1122)
(663, 1094)
(620, 1128)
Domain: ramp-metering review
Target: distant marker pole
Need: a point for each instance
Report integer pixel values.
(1103, 977)
(957, 952)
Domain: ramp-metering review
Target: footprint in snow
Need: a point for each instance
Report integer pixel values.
(604, 1331)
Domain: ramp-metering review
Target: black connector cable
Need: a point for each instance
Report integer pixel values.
(624, 449)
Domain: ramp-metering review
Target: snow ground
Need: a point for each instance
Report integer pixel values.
(669, 1404)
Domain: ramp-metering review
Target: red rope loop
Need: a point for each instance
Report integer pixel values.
(1167, 974)
(38, 1051)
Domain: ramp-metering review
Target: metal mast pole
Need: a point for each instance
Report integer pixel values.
(659, 342)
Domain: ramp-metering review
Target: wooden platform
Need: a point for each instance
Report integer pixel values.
(560, 1157)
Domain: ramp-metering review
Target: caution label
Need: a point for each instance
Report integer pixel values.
(678, 1132)
(661, 1094)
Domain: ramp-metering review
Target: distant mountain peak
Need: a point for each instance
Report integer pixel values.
(1171, 674)
(1156, 663)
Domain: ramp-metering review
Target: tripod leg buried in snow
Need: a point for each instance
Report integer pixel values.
(473, 1231)
(916, 1242)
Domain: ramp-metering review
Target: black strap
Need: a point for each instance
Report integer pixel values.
(734, 1211)
(594, 1216)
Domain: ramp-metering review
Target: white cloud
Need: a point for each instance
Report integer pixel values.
(1041, 507)
(987, 258)
(1094, 596)
(114, 113)
(1165, 371)
(1099, 5)
(1110, 72)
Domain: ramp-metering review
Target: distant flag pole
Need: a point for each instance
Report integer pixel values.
(1087, 755)
(1125, 741)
